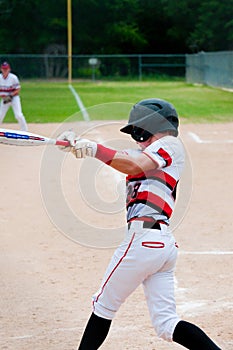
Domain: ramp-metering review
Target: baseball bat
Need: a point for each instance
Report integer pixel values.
(24, 138)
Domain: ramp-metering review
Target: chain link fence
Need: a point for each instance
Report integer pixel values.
(97, 66)
(210, 68)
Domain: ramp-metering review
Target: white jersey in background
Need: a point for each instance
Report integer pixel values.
(8, 84)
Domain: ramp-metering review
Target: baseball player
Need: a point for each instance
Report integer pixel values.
(148, 253)
(9, 92)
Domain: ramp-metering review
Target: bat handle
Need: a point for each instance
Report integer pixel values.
(62, 143)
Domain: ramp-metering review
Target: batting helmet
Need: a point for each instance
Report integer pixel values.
(149, 117)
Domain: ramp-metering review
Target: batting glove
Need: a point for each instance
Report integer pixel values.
(67, 136)
(84, 148)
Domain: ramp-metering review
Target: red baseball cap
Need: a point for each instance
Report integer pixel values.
(5, 65)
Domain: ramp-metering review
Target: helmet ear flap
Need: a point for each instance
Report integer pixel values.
(174, 124)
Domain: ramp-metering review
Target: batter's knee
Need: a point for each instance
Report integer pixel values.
(22, 122)
(102, 311)
(165, 328)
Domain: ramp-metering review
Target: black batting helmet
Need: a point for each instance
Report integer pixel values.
(151, 116)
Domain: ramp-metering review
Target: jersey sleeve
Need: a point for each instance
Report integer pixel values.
(15, 82)
(162, 151)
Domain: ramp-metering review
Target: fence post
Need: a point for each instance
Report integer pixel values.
(140, 67)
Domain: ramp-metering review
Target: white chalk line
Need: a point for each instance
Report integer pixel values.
(197, 139)
(208, 252)
(80, 104)
(42, 334)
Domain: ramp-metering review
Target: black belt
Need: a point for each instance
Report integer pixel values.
(147, 224)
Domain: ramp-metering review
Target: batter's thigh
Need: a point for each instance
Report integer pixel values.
(159, 293)
(122, 277)
(131, 264)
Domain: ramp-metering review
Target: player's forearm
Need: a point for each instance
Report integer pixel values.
(126, 164)
(121, 160)
(15, 92)
(118, 160)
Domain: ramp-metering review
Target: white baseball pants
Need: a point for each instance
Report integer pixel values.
(146, 256)
(16, 106)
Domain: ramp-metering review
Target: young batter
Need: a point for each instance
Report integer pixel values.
(9, 92)
(148, 254)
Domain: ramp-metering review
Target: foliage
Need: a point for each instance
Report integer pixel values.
(214, 29)
(106, 26)
(117, 26)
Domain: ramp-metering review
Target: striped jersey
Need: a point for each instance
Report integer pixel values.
(8, 84)
(153, 194)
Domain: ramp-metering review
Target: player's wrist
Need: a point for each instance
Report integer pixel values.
(105, 154)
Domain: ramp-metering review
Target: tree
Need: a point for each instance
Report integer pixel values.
(116, 26)
(214, 26)
(106, 27)
(31, 25)
(181, 17)
(151, 19)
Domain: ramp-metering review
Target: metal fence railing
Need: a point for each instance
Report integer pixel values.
(97, 66)
(210, 68)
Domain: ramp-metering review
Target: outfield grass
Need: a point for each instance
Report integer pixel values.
(44, 102)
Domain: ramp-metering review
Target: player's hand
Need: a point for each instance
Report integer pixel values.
(7, 99)
(84, 148)
(67, 136)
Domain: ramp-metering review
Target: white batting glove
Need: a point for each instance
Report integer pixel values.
(84, 148)
(67, 136)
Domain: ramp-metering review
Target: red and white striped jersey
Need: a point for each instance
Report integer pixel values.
(8, 84)
(152, 194)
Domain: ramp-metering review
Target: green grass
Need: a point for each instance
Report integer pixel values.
(44, 102)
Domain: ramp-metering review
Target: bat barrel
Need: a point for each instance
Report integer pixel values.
(24, 138)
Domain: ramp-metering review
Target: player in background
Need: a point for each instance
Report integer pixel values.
(9, 92)
(148, 254)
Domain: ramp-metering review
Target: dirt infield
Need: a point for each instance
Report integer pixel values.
(47, 278)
